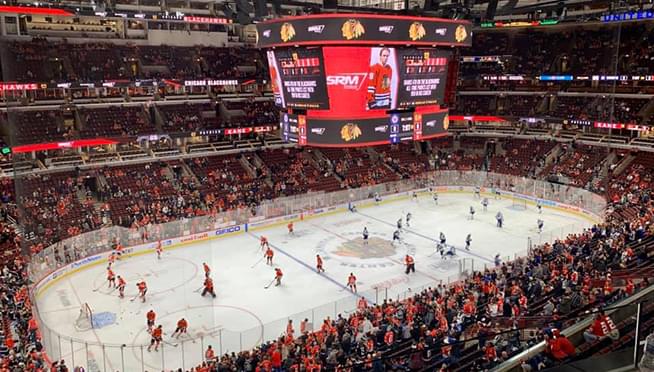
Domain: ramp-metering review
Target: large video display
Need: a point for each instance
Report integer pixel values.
(358, 81)
(363, 79)
(298, 78)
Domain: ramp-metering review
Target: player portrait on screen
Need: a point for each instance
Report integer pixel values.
(275, 80)
(382, 83)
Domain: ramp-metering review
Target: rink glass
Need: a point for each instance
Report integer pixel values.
(115, 356)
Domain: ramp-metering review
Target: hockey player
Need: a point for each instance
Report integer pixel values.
(451, 252)
(182, 326)
(441, 249)
(468, 241)
(539, 206)
(540, 224)
(121, 287)
(365, 235)
(119, 250)
(143, 289)
(498, 260)
(150, 317)
(484, 204)
(441, 237)
(352, 208)
(269, 256)
(157, 335)
(410, 264)
(264, 243)
(472, 213)
(379, 82)
(396, 237)
(208, 287)
(500, 219)
(278, 276)
(111, 278)
(111, 259)
(319, 267)
(159, 249)
(352, 282)
(408, 219)
(290, 228)
(435, 197)
(207, 270)
(399, 224)
(414, 197)
(477, 192)
(378, 198)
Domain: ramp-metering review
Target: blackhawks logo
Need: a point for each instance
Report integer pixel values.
(460, 34)
(352, 29)
(287, 32)
(417, 31)
(376, 248)
(350, 131)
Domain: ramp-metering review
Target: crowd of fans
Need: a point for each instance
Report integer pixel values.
(579, 163)
(471, 325)
(433, 328)
(38, 126)
(573, 50)
(41, 60)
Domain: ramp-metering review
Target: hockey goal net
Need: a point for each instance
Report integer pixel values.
(84, 320)
(518, 204)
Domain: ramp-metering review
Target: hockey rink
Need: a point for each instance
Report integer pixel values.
(244, 313)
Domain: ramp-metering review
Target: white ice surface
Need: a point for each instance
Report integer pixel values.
(244, 313)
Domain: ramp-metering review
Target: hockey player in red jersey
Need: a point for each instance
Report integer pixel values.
(319, 267)
(111, 277)
(159, 249)
(121, 286)
(143, 289)
(379, 82)
(352, 282)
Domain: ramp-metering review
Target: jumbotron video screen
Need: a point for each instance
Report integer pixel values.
(338, 95)
(357, 80)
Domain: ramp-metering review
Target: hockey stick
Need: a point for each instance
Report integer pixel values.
(269, 284)
(169, 343)
(135, 297)
(256, 263)
(198, 290)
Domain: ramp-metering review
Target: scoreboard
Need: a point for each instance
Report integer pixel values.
(356, 80)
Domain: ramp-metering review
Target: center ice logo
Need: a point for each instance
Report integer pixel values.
(376, 248)
(351, 252)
